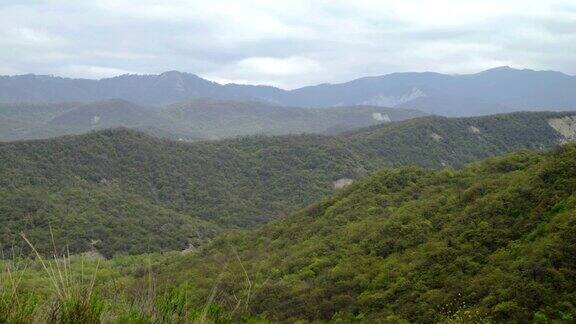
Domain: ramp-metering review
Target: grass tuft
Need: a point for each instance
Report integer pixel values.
(76, 301)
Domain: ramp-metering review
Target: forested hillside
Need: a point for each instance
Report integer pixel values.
(194, 120)
(75, 182)
(316, 169)
(493, 242)
(226, 118)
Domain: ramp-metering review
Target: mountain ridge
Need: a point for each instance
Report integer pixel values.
(191, 120)
(77, 180)
(501, 89)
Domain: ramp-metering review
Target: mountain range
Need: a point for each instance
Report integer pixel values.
(122, 191)
(497, 90)
(246, 209)
(197, 119)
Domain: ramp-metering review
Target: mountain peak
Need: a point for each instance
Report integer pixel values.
(175, 73)
(172, 72)
(504, 68)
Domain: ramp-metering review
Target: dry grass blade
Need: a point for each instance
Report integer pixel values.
(247, 278)
(50, 274)
(91, 289)
(212, 296)
(76, 301)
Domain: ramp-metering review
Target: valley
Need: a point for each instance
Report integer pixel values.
(298, 162)
(221, 211)
(491, 241)
(135, 193)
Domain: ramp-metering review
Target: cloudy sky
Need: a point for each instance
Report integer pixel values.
(284, 43)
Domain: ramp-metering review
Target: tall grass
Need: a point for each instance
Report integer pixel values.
(73, 296)
(76, 300)
(15, 305)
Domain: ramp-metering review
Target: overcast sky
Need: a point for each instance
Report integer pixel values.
(284, 43)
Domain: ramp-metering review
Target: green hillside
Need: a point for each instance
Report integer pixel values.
(236, 183)
(493, 242)
(23, 121)
(227, 118)
(188, 121)
(34, 113)
(95, 217)
(438, 141)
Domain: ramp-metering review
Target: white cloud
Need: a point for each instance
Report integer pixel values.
(285, 43)
(284, 72)
(278, 66)
(86, 71)
(29, 37)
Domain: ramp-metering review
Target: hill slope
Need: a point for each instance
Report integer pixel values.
(220, 119)
(192, 120)
(240, 182)
(496, 90)
(106, 114)
(492, 242)
(95, 217)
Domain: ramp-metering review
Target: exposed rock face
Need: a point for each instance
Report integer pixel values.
(566, 126)
(381, 117)
(393, 101)
(436, 137)
(474, 130)
(189, 248)
(341, 183)
(92, 256)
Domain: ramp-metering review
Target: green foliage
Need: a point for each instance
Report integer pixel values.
(27, 121)
(172, 306)
(16, 306)
(78, 310)
(228, 118)
(493, 242)
(120, 290)
(92, 217)
(119, 191)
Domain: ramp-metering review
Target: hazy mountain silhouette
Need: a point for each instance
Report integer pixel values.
(190, 120)
(500, 89)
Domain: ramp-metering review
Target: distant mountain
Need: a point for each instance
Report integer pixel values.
(166, 88)
(219, 119)
(134, 193)
(106, 114)
(497, 90)
(193, 120)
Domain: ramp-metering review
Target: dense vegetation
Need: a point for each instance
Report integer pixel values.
(122, 177)
(220, 119)
(81, 289)
(96, 217)
(493, 242)
(21, 121)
